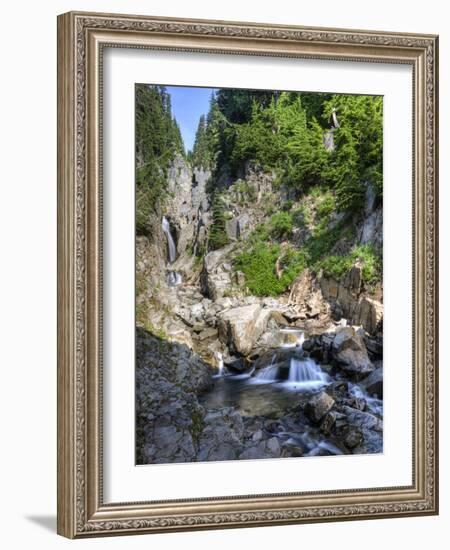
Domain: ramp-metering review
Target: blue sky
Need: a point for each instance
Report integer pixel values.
(187, 106)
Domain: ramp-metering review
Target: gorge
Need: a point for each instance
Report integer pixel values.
(258, 303)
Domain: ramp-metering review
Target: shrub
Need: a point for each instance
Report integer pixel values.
(287, 205)
(337, 266)
(259, 266)
(281, 225)
(302, 216)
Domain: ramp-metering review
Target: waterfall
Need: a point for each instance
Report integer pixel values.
(173, 277)
(220, 367)
(302, 374)
(170, 242)
(306, 371)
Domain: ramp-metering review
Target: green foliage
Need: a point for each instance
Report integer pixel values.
(325, 205)
(337, 266)
(279, 136)
(284, 132)
(259, 266)
(358, 154)
(280, 225)
(246, 191)
(201, 154)
(302, 216)
(158, 141)
(217, 234)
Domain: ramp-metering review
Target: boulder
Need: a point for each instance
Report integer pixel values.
(240, 328)
(318, 406)
(349, 351)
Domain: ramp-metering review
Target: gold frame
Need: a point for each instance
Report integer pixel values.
(81, 38)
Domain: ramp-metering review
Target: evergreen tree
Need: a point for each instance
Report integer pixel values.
(158, 141)
(217, 234)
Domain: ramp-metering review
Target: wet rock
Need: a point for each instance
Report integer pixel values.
(318, 406)
(308, 345)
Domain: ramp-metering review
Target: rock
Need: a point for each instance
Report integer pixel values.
(273, 446)
(208, 333)
(353, 438)
(346, 300)
(308, 345)
(318, 406)
(215, 281)
(307, 298)
(353, 279)
(371, 231)
(369, 314)
(374, 383)
(238, 227)
(371, 428)
(240, 327)
(292, 449)
(328, 422)
(222, 435)
(257, 435)
(374, 346)
(240, 278)
(349, 351)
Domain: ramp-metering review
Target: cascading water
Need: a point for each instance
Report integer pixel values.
(173, 277)
(301, 373)
(297, 371)
(220, 365)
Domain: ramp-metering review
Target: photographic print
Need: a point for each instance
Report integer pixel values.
(259, 274)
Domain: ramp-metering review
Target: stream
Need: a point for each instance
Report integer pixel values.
(281, 380)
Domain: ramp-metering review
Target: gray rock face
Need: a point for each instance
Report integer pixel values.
(168, 415)
(240, 327)
(307, 298)
(371, 231)
(349, 351)
(238, 227)
(215, 278)
(346, 301)
(222, 436)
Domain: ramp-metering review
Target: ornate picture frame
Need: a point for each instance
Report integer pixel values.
(82, 38)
